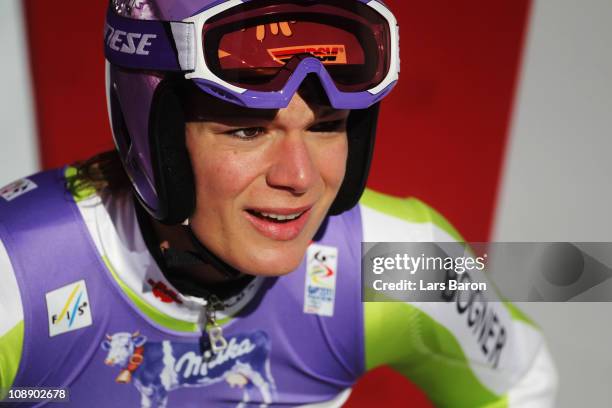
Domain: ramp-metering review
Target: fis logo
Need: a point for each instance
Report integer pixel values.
(327, 54)
(128, 43)
(68, 308)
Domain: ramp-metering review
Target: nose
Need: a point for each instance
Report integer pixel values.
(292, 168)
(109, 362)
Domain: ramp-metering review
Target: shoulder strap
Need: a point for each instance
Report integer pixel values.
(50, 248)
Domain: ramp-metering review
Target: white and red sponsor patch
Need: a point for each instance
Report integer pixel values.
(320, 280)
(17, 188)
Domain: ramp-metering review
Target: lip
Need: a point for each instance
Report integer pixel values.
(285, 231)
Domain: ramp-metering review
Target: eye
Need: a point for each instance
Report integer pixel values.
(330, 126)
(247, 133)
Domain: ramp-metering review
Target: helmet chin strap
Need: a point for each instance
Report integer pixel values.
(200, 255)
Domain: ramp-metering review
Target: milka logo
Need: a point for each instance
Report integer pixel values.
(156, 368)
(192, 364)
(128, 43)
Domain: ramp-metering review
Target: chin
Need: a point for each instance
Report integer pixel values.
(272, 261)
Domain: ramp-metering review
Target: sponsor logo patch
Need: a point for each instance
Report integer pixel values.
(327, 54)
(157, 368)
(163, 292)
(128, 43)
(320, 285)
(16, 189)
(68, 308)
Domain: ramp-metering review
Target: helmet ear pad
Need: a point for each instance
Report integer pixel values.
(361, 131)
(174, 181)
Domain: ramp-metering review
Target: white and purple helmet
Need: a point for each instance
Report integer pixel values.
(253, 53)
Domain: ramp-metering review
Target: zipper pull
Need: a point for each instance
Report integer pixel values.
(218, 343)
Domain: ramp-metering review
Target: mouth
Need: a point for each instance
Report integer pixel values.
(280, 224)
(274, 217)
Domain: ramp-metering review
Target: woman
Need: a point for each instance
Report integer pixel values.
(229, 274)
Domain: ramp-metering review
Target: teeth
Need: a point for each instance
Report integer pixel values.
(279, 217)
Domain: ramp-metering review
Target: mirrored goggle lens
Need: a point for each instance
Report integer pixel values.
(258, 49)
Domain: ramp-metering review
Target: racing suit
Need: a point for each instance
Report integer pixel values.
(85, 306)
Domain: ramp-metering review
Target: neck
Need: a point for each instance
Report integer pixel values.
(177, 237)
(199, 278)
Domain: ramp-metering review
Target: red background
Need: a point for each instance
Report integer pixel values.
(441, 136)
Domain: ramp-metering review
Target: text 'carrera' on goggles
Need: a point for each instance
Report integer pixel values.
(257, 53)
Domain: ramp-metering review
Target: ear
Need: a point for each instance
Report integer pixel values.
(105, 345)
(139, 341)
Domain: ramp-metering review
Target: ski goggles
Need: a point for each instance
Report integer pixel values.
(257, 53)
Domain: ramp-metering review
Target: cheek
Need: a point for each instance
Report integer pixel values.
(221, 174)
(332, 162)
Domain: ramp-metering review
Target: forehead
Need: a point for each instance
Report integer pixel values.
(199, 106)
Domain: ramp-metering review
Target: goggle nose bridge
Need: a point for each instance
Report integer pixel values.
(306, 66)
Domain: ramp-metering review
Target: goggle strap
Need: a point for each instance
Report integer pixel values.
(149, 44)
(185, 42)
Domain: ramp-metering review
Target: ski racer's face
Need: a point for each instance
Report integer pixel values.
(265, 180)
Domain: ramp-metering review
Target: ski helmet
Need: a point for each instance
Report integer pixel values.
(253, 53)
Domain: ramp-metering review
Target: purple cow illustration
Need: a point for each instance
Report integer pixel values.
(157, 368)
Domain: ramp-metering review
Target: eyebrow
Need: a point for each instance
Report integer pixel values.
(250, 117)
